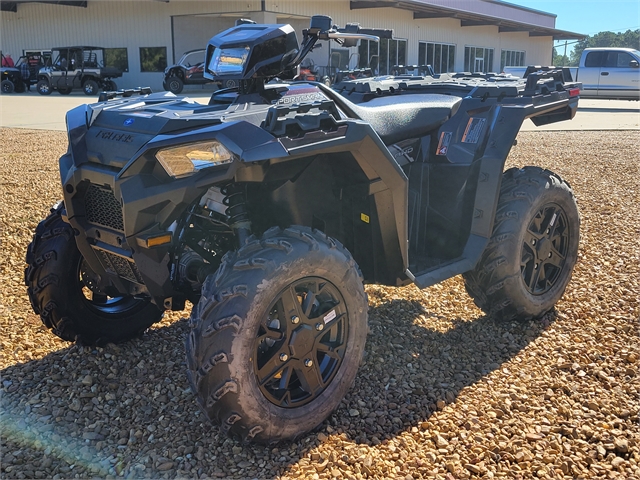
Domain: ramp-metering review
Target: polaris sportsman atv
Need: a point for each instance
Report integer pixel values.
(269, 208)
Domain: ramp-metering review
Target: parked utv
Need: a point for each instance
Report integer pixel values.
(77, 67)
(189, 71)
(11, 77)
(268, 214)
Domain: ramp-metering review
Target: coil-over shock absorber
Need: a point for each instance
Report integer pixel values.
(236, 203)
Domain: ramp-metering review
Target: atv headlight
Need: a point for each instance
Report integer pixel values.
(188, 159)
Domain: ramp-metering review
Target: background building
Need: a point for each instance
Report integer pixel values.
(144, 36)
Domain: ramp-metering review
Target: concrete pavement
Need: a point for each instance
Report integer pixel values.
(34, 111)
(597, 115)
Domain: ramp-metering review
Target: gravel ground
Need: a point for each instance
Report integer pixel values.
(444, 391)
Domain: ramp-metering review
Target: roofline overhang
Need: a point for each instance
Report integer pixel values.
(13, 6)
(423, 10)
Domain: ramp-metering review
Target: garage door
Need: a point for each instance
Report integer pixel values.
(191, 32)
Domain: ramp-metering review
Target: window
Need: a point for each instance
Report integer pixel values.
(619, 60)
(440, 56)
(478, 59)
(382, 56)
(340, 58)
(511, 58)
(595, 59)
(392, 52)
(116, 57)
(603, 58)
(153, 59)
(368, 53)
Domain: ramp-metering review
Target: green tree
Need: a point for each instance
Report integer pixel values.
(628, 39)
(559, 60)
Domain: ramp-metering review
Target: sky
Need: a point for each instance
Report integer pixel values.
(589, 16)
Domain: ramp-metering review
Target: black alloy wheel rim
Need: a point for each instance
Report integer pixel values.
(544, 249)
(301, 342)
(174, 85)
(99, 302)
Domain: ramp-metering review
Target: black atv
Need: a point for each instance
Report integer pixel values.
(269, 208)
(11, 78)
(189, 71)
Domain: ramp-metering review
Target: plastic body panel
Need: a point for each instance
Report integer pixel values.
(408, 208)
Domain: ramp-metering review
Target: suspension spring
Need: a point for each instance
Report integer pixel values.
(236, 204)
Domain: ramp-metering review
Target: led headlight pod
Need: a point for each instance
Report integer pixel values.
(185, 160)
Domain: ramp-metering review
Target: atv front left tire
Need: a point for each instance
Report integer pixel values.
(59, 287)
(528, 262)
(278, 335)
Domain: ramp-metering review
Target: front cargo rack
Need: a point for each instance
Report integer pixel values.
(104, 96)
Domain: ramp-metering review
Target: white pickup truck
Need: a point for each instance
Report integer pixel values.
(610, 73)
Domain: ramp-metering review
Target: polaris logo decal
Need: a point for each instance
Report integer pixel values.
(128, 122)
(114, 136)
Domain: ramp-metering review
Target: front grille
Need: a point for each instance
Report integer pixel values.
(119, 266)
(102, 208)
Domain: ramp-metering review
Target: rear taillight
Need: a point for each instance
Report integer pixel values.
(574, 92)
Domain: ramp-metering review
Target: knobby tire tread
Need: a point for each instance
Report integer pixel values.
(208, 346)
(46, 276)
(487, 282)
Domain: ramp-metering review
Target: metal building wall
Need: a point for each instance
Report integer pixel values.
(148, 23)
(441, 30)
(112, 24)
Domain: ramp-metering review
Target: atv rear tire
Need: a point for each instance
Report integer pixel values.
(278, 335)
(63, 300)
(111, 86)
(175, 84)
(528, 262)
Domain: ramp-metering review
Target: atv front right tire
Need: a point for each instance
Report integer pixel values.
(59, 282)
(528, 262)
(278, 335)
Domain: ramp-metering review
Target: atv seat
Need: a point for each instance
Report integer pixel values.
(399, 117)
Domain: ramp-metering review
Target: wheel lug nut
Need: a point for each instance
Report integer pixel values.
(308, 362)
(319, 327)
(295, 320)
(536, 266)
(549, 254)
(284, 357)
(533, 242)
